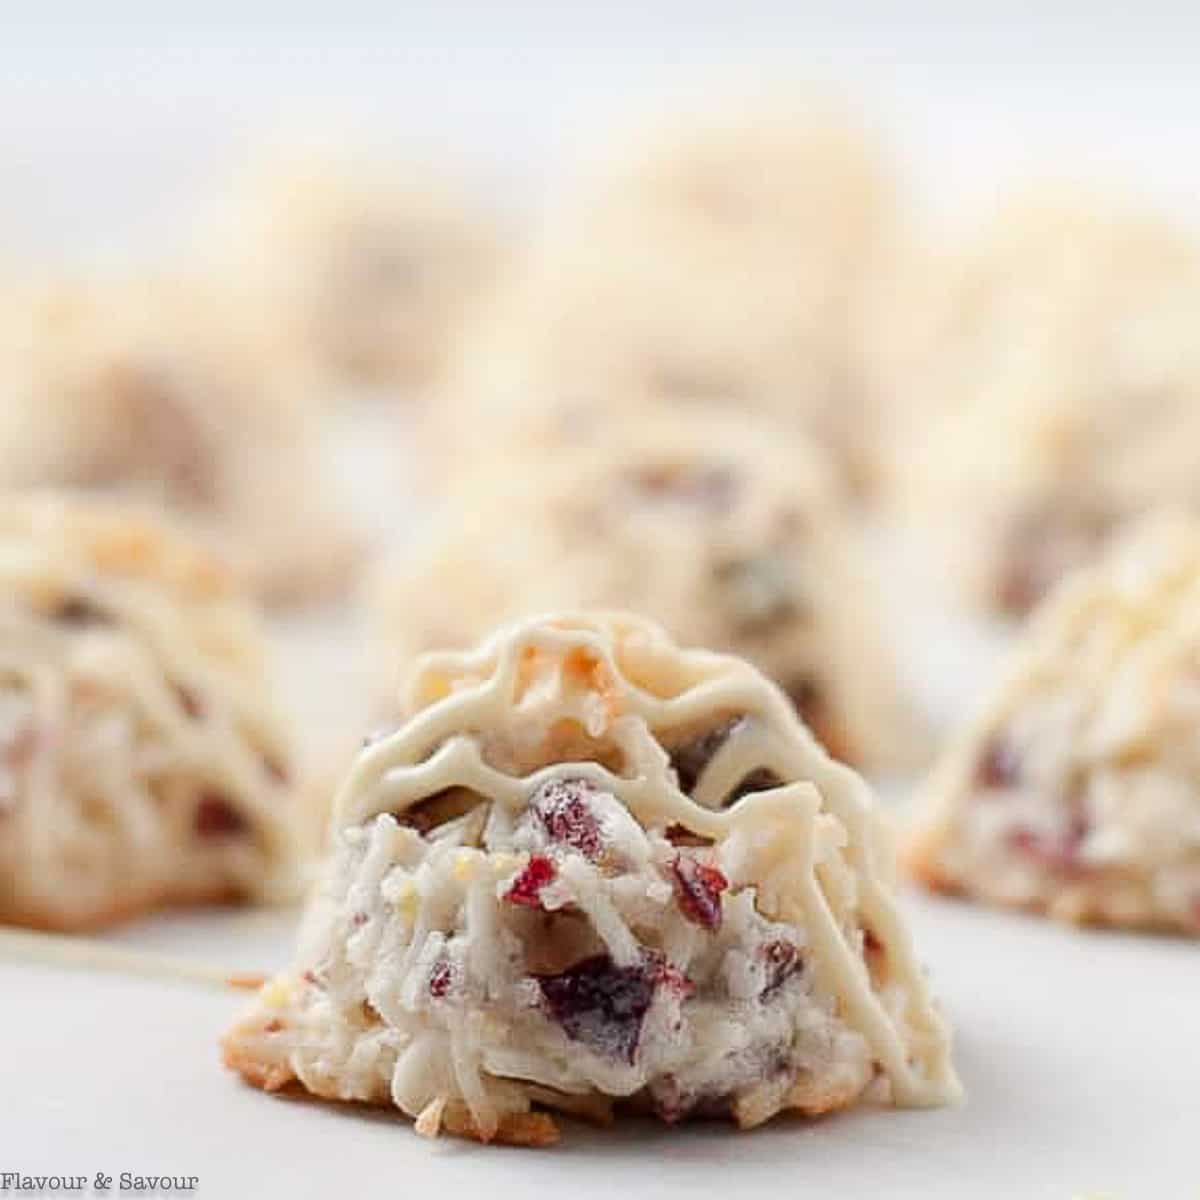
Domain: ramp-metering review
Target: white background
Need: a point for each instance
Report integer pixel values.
(112, 113)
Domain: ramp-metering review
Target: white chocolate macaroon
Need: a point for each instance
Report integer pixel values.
(590, 868)
(370, 267)
(141, 760)
(1053, 394)
(166, 392)
(1076, 792)
(728, 260)
(728, 534)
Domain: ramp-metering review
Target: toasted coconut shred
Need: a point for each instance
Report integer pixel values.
(591, 868)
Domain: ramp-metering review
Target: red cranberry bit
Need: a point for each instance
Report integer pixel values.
(169, 434)
(275, 770)
(78, 611)
(188, 701)
(999, 768)
(669, 975)
(712, 489)
(16, 753)
(781, 961)
(527, 887)
(1021, 579)
(441, 978)
(603, 1005)
(217, 818)
(698, 889)
(1056, 851)
(563, 808)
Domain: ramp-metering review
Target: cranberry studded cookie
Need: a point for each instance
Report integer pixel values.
(162, 391)
(141, 763)
(727, 534)
(370, 269)
(1056, 394)
(592, 868)
(1076, 793)
(726, 262)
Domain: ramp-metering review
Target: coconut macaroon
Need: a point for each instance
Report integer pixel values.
(370, 267)
(727, 534)
(726, 261)
(163, 391)
(591, 868)
(141, 760)
(1077, 791)
(1054, 393)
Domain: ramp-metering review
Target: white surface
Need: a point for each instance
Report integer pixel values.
(1078, 1051)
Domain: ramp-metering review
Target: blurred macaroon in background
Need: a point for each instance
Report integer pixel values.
(423, 333)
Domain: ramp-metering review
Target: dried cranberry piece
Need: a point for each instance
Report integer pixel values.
(275, 770)
(1021, 582)
(79, 611)
(16, 753)
(669, 976)
(441, 978)
(713, 488)
(1043, 543)
(527, 887)
(781, 960)
(999, 768)
(603, 1005)
(1055, 851)
(188, 701)
(563, 808)
(170, 434)
(698, 889)
(217, 818)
